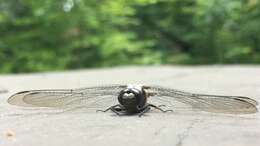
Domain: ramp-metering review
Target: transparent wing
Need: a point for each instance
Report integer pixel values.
(209, 103)
(67, 98)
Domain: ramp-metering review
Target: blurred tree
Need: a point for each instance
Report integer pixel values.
(66, 34)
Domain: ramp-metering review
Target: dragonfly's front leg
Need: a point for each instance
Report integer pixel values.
(144, 110)
(148, 107)
(159, 108)
(118, 109)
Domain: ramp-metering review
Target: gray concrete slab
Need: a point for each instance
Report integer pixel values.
(30, 126)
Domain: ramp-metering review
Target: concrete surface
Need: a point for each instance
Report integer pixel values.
(20, 126)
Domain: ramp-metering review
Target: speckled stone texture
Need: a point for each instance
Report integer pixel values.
(21, 126)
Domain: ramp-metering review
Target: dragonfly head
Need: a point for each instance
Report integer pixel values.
(132, 98)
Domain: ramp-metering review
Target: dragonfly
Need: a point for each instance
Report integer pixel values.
(132, 99)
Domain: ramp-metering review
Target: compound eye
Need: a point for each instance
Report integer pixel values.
(128, 95)
(128, 92)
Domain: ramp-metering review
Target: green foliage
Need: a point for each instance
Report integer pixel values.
(66, 34)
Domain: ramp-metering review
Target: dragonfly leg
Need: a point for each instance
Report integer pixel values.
(162, 105)
(158, 108)
(148, 107)
(145, 109)
(114, 107)
(118, 109)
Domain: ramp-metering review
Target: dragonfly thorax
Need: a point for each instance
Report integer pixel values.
(132, 99)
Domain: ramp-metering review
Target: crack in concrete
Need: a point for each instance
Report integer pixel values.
(157, 132)
(182, 136)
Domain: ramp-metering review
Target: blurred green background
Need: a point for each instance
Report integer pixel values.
(45, 35)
